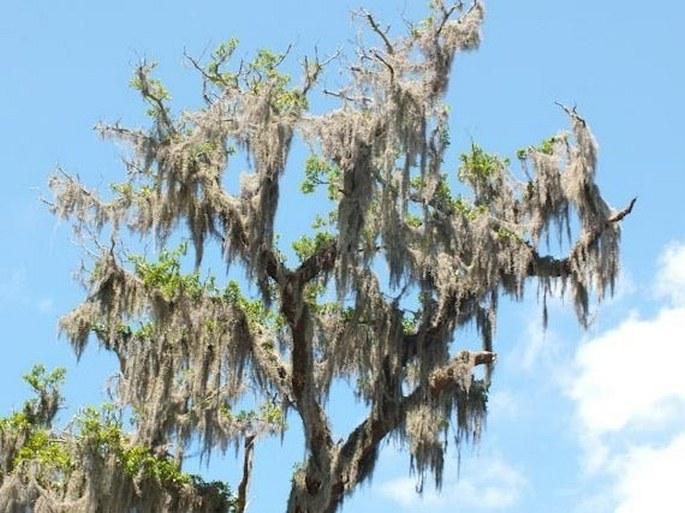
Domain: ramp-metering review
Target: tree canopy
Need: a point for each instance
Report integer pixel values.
(407, 256)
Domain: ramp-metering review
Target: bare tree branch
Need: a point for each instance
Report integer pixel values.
(241, 503)
(374, 26)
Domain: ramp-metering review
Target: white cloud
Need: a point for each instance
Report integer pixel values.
(629, 394)
(651, 479)
(670, 280)
(632, 374)
(492, 485)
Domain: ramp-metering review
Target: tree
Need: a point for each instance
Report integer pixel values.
(194, 351)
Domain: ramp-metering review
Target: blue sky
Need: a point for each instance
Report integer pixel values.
(580, 422)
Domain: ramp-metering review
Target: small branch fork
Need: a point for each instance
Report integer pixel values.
(363, 441)
(447, 14)
(381, 33)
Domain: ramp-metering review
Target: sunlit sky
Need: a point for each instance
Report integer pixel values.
(580, 421)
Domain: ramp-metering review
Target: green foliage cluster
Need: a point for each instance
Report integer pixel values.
(49, 453)
(318, 171)
(482, 171)
(25, 436)
(100, 432)
(220, 56)
(468, 209)
(45, 383)
(257, 313)
(413, 220)
(410, 323)
(268, 413)
(165, 274)
(260, 76)
(546, 147)
(445, 201)
(15, 422)
(479, 167)
(151, 89)
(263, 75)
(505, 233)
(306, 246)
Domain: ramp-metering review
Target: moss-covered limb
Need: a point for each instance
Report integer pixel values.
(89, 213)
(353, 460)
(307, 403)
(458, 369)
(549, 266)
(209, 337)
(241, 499)
(592, 262)
(320, 263)
(516, 218)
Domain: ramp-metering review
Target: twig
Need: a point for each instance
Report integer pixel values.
(345, 97)
(446, 14)
(311, 77)
(572, 112)
(283, 56)
(196, 65)
(378, 56)
(620, 215)
(377, 30)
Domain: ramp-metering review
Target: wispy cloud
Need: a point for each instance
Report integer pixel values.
(46, 306)
(670, 282)
(492, 485)
(15, 291)
(12, 285)
(629, 396)
(503, 404)
(539, 349)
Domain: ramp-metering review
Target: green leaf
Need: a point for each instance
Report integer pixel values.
(307, 246)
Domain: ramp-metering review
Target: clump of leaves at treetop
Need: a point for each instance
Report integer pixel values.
(92, 465)
(192, 350)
